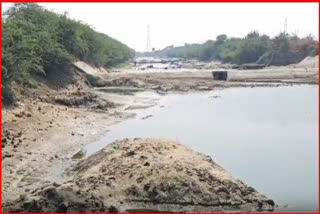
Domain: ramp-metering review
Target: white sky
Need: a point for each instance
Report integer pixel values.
(179, 23)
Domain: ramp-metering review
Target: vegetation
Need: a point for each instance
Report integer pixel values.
(36, 41)
(283, 49)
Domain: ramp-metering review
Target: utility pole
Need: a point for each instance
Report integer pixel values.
(149, 49)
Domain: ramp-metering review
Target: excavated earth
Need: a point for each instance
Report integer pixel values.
(145, 175)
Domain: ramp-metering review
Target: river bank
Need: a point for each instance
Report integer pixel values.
(42, 134)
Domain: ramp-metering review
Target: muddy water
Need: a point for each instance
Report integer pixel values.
(267, 137)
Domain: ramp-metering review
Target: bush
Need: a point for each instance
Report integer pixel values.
(7, 96)
(315, 51)
(36, 41)
(283, 49)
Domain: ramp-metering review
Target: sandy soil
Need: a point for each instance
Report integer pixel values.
(39, 139)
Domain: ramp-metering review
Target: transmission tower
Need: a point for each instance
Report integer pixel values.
(148, 40)
(285, 25)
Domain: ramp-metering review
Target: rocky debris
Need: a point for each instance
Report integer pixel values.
(10, 138)
(126, 81)
(121, 90)
(104, 106)
(6, 155)
(77, 98)
(22, 114)
(58, 200)
(83, 98)
(146, 175)
(71, 101)
(95, 81)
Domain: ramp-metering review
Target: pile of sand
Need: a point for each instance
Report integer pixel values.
(308, 62)
(145, 175)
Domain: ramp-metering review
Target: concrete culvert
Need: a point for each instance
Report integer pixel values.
(220, 75)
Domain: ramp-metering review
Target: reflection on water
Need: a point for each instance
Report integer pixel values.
(267, 137)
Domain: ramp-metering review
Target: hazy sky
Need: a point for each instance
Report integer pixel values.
(177, 23)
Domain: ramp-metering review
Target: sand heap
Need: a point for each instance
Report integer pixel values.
(145, 175)
(308, 62)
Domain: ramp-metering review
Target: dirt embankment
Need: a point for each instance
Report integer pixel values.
(146, 175)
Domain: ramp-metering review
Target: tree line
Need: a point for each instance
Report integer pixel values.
(36, 41)
(283, 49)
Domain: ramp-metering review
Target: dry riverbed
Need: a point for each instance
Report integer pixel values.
(41, 135)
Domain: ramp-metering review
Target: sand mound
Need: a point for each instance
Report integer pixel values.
(308, 62)
(144, 175)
